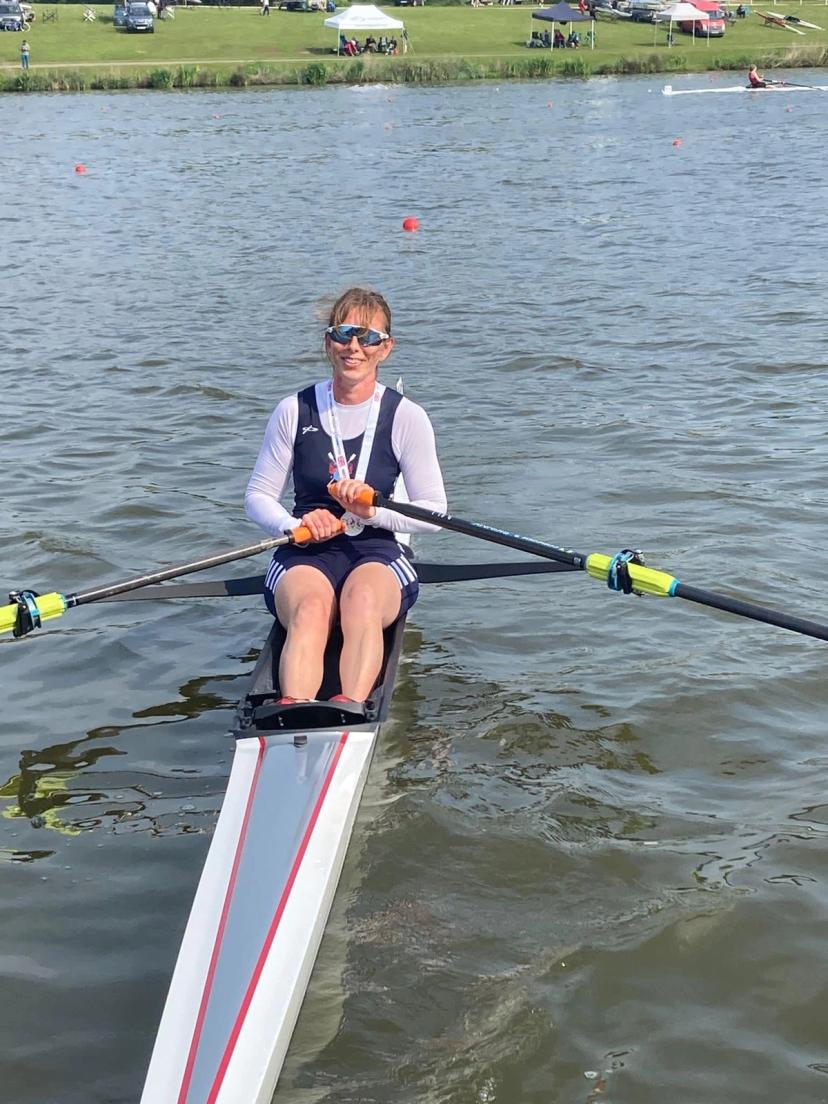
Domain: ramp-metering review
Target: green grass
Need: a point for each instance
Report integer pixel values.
(238, 46)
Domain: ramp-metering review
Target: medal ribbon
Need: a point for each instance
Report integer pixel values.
(340, 459)
(353, 524)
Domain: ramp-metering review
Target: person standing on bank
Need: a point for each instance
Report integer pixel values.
(350, 429)
(24, 54)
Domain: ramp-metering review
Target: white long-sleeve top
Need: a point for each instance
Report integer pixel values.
(412, 442)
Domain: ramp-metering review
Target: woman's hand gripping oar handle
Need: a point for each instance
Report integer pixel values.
(27, 610)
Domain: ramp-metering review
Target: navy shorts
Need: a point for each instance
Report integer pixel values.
(337, 558)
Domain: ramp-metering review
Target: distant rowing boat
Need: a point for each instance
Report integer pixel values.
(801, 22)
(772, 20)
(668, 89)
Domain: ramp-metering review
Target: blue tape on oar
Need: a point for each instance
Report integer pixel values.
(618, 575)
(28, 615)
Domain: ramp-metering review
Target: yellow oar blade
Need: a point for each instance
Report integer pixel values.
(48, 606)
(647, 580)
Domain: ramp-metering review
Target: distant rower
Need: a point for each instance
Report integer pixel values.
(756, 80)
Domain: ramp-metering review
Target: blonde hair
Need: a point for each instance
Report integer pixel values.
(365, 301)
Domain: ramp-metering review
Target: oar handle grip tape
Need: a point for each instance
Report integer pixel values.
(302, 535)
(365, 498)
(368, 497)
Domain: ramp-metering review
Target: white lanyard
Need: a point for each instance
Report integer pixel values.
(353, 524)
(340, 459)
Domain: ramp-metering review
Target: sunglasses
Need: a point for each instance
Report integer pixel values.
(343, 335)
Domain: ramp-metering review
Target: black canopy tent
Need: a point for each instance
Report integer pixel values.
(562, 13)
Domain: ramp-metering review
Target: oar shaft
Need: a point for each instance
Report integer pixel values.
(97, 594)
(38, 608)
(751, 610)
(644, 579)
(483, 532)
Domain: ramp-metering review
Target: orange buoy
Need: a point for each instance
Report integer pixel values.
(80, 169)
(411, 223)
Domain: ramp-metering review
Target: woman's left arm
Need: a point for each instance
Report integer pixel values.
(412, 439)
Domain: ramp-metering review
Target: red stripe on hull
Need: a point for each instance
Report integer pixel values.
(228, 897)
(274, 924)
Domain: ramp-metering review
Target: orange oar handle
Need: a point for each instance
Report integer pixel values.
(366, 498)
(302, 535)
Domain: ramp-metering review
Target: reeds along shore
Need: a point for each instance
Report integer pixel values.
(391, 71)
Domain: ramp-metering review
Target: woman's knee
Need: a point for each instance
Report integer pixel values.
(305, 604)
(370, 600)
(311, 612)
(361, 601)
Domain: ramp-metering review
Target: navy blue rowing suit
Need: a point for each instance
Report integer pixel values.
(313, 470)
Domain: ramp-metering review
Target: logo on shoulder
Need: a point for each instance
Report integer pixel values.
(309, 429)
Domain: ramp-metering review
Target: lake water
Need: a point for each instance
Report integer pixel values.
(591, 860)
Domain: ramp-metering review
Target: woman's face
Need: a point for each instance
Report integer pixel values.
(354, 363)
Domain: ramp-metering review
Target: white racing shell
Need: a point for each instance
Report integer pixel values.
(258, 917)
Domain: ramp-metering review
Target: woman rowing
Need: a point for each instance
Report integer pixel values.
(352, 432)
(756, 80)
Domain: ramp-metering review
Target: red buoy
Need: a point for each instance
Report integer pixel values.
(411, 223)
(677, 142)
(80, 169)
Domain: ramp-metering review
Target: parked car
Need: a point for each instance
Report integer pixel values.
(119, 15)
(139, 18)
(12, 17)
(714, 24)
(645, 11)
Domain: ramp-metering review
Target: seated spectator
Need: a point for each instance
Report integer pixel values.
(392, 46)
(370, 46)
(741, 11)
(559, 42)
(382, 45)
(573, 40)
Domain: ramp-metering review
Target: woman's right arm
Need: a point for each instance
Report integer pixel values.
(262, 500)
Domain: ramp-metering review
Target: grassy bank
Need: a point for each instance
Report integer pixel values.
(216, 47)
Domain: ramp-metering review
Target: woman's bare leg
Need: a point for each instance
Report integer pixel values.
(306, 607)
(369, 603)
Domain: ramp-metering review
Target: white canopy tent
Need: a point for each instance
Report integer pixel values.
(366, 17)
(682, 12)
